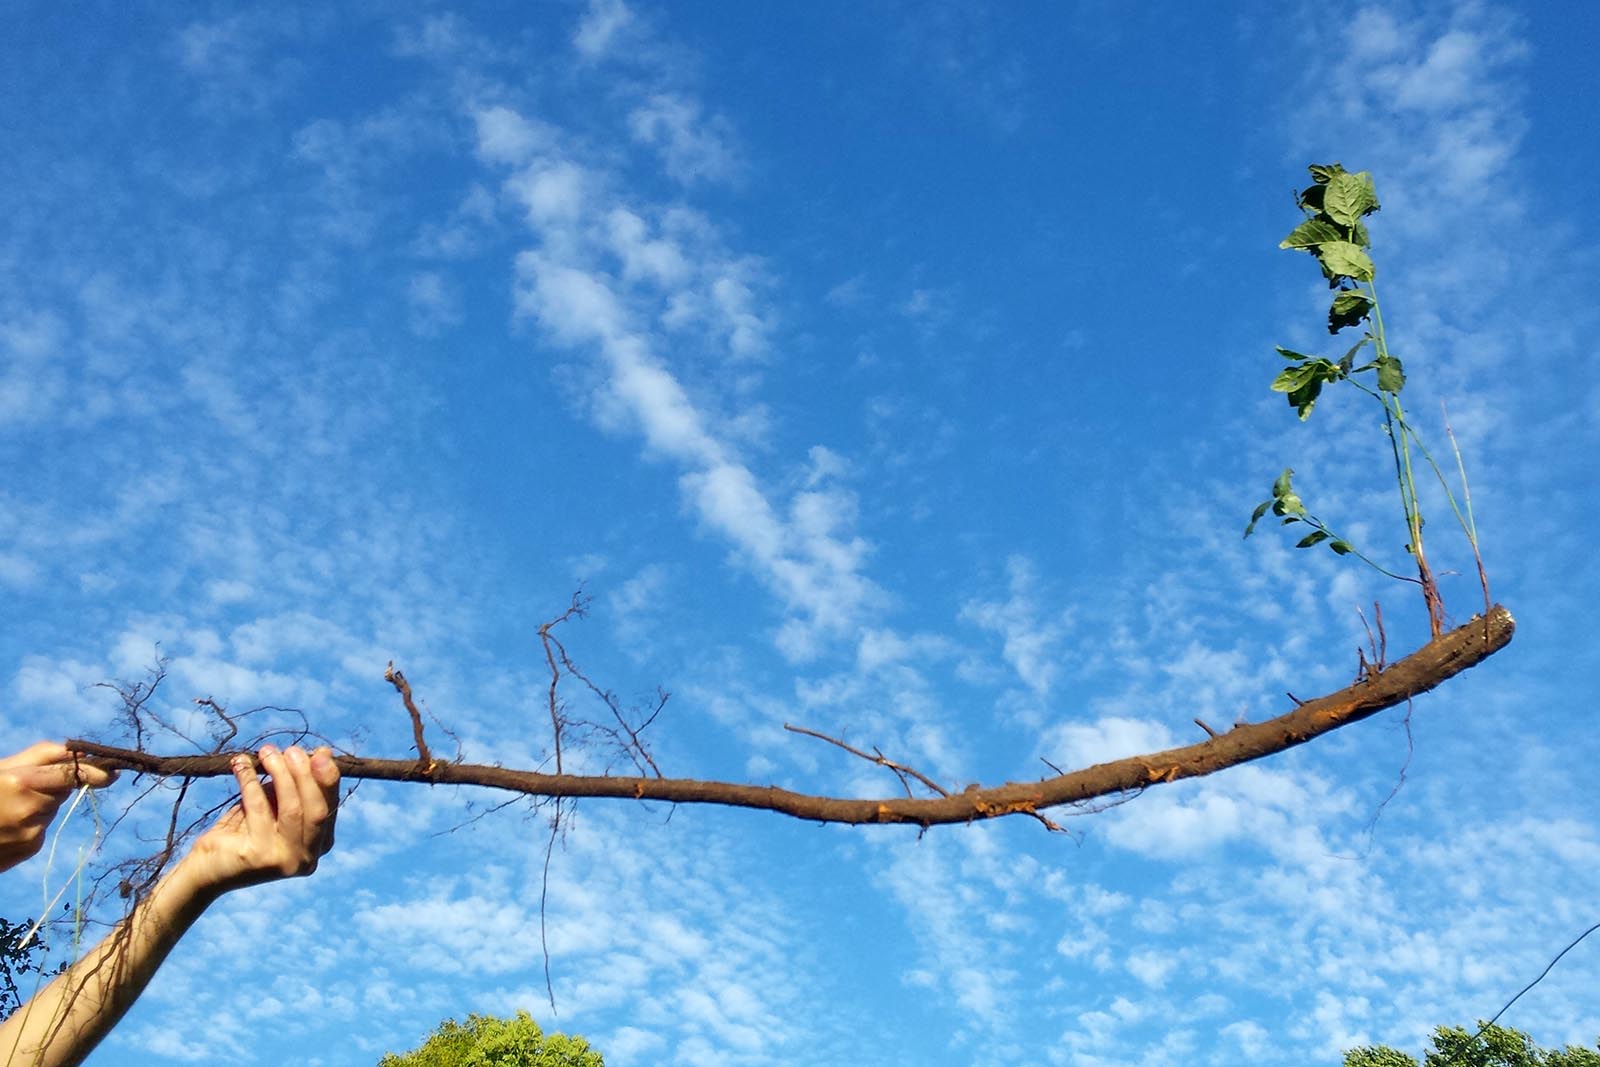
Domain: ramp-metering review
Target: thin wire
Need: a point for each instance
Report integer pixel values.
(1536, 981)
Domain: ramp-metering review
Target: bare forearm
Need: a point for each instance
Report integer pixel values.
(63, 1023)
(277, 830)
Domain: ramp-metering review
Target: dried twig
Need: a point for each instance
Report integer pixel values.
(1379, 644)
(403, 687)
(557, 723)
(900, 770)
(226, 738)
(622, 738)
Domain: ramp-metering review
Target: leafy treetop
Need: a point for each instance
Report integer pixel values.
(487, 1041)
(1495, 1046)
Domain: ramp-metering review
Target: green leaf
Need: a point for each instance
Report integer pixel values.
(1391, 375)
(1310, 198)
(1345, 260)
(1289, 353)
(1311, 233)
(1371, 192)
(1341, 547)
(1349, 358)
(1304, 383)
(1255, 517)
(1315, 537)
(1349, 308)
(1295, 378)
(1284, 500)
(1304, 398)
(1349, 197)
(1317, 369)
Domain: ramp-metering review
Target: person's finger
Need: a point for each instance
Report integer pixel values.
(313, 803)
(326, 774)
(62, 778)
(90, 775)
(288, 816)
(36, 755)
(253, 803)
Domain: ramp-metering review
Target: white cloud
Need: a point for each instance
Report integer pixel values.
(940, 889)
(445, 38)
(461, 235)
(1449, 75)
(1106, 739)
(484, 933)
(603, 24)
(573, 304)
(554, 194)
(17, 571)
(657, 260)
(850, 293)
(692, 148)
(1435, 110)
(1152, 968)
(1163, 826)
(805, 552)
(959, 49)
(637, 601)
(504, 136)
(32, 382)
(1252, 1038)
(58, 691)
(228, 591)
(1032, 645)
(433, 303)
(727, 497)
(744, 327)
(630, 1044)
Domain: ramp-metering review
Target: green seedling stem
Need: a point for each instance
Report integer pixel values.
(1400, 438)
(1333, 231)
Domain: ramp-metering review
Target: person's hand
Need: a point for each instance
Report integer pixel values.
(33, 784)
(279, 829)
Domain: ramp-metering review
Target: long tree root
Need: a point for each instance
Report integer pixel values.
(1440, 659)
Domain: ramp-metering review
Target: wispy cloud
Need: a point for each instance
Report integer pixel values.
(601, 262)
(603, 25)
(693, 148)
(1031, 644)
(960, 50)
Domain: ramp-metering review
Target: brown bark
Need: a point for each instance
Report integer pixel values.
(1440, 659)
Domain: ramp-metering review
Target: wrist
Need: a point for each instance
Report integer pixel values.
(188, 887)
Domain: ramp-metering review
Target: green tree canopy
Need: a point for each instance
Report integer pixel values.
(1497, 1046)
(487, 1041)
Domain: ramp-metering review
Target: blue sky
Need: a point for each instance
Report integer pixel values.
(898, 370)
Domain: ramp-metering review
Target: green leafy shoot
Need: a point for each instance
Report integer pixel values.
(1334, 231)
(1290, 509)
